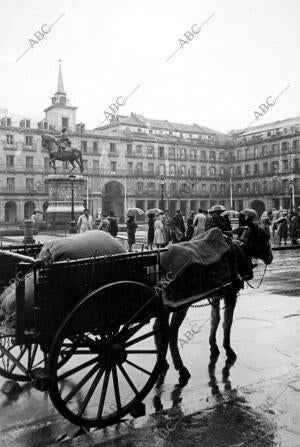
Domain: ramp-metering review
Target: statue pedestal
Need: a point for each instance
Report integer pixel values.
(59, 211)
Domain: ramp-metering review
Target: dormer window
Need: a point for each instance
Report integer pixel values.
(45, 125)
(27, 124)
(8, 122)
(28, 141)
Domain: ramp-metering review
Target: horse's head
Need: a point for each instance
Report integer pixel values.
(48, 140)
(257, 242)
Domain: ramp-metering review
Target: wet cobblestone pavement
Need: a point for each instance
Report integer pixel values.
(251, 402)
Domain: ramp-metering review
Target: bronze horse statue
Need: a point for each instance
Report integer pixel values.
(71, 154)
(253, 243)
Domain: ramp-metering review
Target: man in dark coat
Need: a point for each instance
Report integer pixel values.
(178, 228)
(113, 224)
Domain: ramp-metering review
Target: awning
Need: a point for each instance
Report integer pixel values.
(64, 209)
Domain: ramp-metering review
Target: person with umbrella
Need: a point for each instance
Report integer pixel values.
(159, 234)
(131, 229)
(178, 228)
(150, 234)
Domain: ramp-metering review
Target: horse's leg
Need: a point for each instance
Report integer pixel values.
(175, 323)
(230, 302)
(214, 323)
(73, 166)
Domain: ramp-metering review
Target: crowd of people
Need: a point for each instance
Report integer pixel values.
(164, 229)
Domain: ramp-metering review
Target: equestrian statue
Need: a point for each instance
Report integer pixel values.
(60, 148)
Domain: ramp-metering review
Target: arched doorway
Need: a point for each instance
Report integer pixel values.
(28, 209)
(10, 212)
(258, 206)
(113, 198)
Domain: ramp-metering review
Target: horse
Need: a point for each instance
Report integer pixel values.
(253, 243)
(73, 154)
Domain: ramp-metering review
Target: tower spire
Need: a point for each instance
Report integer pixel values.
(60, 84)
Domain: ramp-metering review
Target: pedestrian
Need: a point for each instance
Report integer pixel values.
(104, 224)
(199, 223)
(150, 235)
(208, 220)
(282, 231)
(131, 229)
(159, 234)
(85, 221)
(166, 224)
(113, 227)
(266, 223)
(190, 226)
(295, 228)
(178, 228)
(222, 222)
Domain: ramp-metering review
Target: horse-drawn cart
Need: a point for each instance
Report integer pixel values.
(89, 337)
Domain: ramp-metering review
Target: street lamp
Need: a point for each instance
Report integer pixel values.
(73, 228)
(162, 187)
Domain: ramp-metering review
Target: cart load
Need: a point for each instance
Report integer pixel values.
(206, 262)
(82, 246)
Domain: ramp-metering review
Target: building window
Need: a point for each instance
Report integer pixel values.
(256, 187)
(96, 166)
(184, 187)
(295, 144)
(10, 161)
(112, 148)
(203, 187)
(139, 129)
(172, 170)
(255, 152)
(265, 186)
(275, 167)
(247, 187)
(161, 152)
(85, 165)
(285, 146)
(221, 156)
(140, 186)
(212, 156)
(8, 122)
(84, 146)
(238, 170)
(151, 186)
(129, 149)
(27, 124)
(162, 169)
(113, 167)
(256, 169)
(65, 122)
(171, 152)
(150, 168)
(139, 167)
(203, 171)
(139, 149)
(247, 153)
(9, 139)
(10, 182)
(247, 170)
(45, 125)
(213, 188)
(29, 162)
(150, 151)
(285, 185)
(222, 172)
(285, 165)
(222, 189)
(183, 153)
(238, 154)
(193, 171)
(193, 155)
(263, 151)
(239, 188)
(275, 149)
(203, 156)
(29, 184)
(130, 167)
(173, 187)
(265, 168)
(28, 141)
(183, 171)
(296, 166)
(212, 171)
(95, 148)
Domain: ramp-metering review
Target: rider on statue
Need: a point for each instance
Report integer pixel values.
(63, 141)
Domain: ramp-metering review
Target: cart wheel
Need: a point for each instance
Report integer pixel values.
(18, 361)
(114, 361)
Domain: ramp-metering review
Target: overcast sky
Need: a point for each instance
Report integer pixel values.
(246, 52)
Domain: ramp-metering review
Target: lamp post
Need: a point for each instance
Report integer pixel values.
(73, 228)
(162, 188)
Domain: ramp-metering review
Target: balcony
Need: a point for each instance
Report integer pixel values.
(114, 153)
(30, 148)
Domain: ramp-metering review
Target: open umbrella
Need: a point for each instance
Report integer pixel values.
(134, 212)
(249, 212)
(218, 208)
(230, 213)
(153, 211)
